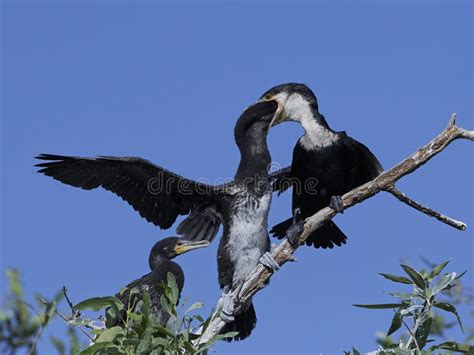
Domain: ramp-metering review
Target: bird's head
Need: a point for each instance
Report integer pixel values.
(173, 246)
(255, 118)
(295, 102)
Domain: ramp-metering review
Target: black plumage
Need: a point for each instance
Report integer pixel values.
(157, 194)
(161, 263)
(325, 163)
(245, 210)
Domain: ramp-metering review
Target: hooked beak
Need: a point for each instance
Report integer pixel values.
(187, 245)
(280, 114)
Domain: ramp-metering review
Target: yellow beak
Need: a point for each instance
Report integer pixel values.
(187, 245)
(280, 114)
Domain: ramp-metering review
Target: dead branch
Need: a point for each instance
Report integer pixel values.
(283, 252)
(426, 210)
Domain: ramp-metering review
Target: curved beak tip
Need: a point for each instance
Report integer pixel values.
(279, 115)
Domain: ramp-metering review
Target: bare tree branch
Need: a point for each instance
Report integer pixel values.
(426, 210)
(384, 182)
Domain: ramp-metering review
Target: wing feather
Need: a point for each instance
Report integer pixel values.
(154, 192)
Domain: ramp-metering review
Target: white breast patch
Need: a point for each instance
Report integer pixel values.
(248, 235)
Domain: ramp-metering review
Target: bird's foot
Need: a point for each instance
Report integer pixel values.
(227, 312)
(268, 261)
(336, 204)
(293, 233)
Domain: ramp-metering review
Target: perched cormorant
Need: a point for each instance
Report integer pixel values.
(160, 196)
(160, 261)
(245, 210)
(326, 164)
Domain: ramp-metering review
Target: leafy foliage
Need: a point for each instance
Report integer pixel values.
(139, 331)
(22, 325)
(417, 307)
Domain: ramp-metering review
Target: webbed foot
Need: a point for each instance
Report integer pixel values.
(227, 312)
(336, 204)
(293, 233)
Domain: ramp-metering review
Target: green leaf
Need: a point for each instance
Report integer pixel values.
(158, 342)
(448, 307)
(109, 335)
(146, 305)
(453, 346)
(461, 275)
(396, 278)
(135, 317)
(396, 323)
(380, 306)
(415, 276)
(162, 330)
(14, 283)
(145, 344)
(95, 348)
(174, 288)
(50, 308)
(211, 342)
(98, 303)
(437, 269)
(403, 296)
(444, 282)
(194, 306)
(165, 304)
(355, 352)
(423, 332)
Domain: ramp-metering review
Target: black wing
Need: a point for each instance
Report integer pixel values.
(202, 224)
(157, 194)
(360, 164)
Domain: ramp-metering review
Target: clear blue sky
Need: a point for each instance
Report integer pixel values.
(167, 82)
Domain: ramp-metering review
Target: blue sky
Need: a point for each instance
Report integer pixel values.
(167, 82)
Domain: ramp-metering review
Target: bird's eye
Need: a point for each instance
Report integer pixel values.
(268, 97)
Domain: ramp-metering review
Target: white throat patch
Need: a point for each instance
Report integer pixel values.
(315, 136)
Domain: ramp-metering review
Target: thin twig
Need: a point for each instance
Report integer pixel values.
(37, 338)
(66, 320)
(257, 280)
(426, 210)
(411, 334)
(74, 312)
(63, 317)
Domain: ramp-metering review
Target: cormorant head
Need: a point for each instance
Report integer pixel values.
(171, 247)
(255, 118)
(295, 102)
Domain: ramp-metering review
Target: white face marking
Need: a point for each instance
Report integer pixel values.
(248, 236)
(298, 109)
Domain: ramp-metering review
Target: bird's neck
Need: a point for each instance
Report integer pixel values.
(254, 155)
(160, 262)
(317, 133)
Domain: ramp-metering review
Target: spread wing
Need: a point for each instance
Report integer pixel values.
(157, 194)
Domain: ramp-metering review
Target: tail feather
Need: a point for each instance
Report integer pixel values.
(279, 230)
(327, 236)
(244, 323)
